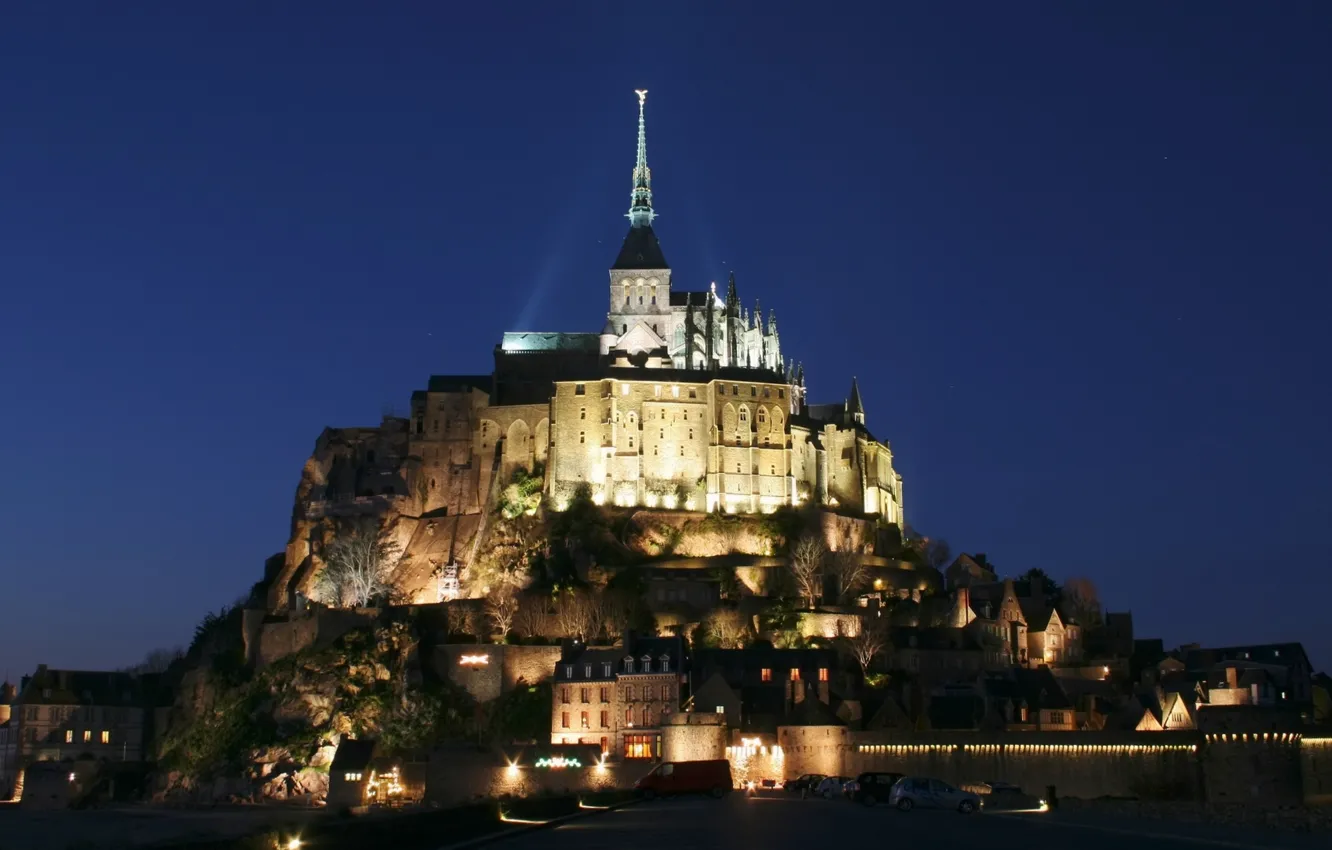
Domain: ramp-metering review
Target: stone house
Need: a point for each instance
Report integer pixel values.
(617, 698)
(755, 688)
(967, 570)
(1287, 662)
(60, 715)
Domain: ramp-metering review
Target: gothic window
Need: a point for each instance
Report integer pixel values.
(744, 414)
(640, 299)
(762, 415)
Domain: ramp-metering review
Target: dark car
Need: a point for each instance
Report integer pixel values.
(873, 788)
(805, 784)
(687, 777)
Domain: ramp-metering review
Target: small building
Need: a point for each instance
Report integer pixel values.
(617, 698)
(350, 772)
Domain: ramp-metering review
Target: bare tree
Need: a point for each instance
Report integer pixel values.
(867, 644)
(1082, 602)
(578, 613)
(727, 628)
(848, 571)
(807, 559)
(532, 618)
(937, 552)
(156, 661)
(356, 566)
(502, 608)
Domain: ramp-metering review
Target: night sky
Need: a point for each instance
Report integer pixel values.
(1077, 254)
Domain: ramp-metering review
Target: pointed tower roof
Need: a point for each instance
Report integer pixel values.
(641, 250)
(853, 403)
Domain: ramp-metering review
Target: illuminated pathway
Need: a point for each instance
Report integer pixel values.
(778, 822)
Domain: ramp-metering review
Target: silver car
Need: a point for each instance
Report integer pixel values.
(913, 791)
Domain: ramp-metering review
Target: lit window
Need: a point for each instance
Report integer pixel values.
(106, 736)
(624, 389)
(583, 721)
(629, 717)
(69, 736)
(605, 721)
(721, 709)
(87, 735)
(675, 391)
(823, 674)
(795, 674)
(766, 674)
(639, 746)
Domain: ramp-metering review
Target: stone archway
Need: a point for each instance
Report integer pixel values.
(518, 446)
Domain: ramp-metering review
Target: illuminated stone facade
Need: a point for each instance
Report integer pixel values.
(684, 400)
(617, 699)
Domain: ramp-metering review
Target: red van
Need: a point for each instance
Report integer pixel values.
(687, 777)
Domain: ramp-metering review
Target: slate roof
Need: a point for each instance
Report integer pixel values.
(458, 383)
(956, 712)
(353, 755)
(640, 250)
(519, 341)
(1283, 654)
(86, 687)
(1036, 613)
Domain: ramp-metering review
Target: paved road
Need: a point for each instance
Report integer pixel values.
(780, 822)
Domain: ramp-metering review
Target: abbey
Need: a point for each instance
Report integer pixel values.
(683, 400)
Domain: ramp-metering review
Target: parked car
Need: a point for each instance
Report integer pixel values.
(1004, 795)
(913, 791)
(687, 777)
(872, 788)
(831, 786)
(806, 783)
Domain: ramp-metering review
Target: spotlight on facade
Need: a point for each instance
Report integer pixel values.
(294, 843)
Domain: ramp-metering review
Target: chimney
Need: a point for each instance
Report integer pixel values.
(1232, 677)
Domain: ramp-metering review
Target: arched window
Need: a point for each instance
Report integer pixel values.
(762, 415)
(744, 414)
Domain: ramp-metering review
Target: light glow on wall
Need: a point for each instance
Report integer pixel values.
(474, 660)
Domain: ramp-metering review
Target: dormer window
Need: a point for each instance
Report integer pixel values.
(665, 664)
(628, 664)
(606, 668)
(647, 664)
(587, 670)
(568, 671)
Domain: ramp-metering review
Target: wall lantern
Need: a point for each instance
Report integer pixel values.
(558, 763)
(474, 660)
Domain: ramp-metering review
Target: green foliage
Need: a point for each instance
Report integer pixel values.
(728, 586)
(783, 527)
(780, 621)
(876, 680)
(523, 495)
(520, 715)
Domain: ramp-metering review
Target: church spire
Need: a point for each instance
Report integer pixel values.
(641, 213)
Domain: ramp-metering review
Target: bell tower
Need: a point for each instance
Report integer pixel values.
(640, 279)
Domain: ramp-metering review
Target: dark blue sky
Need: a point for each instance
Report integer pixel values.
(1077, 254)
